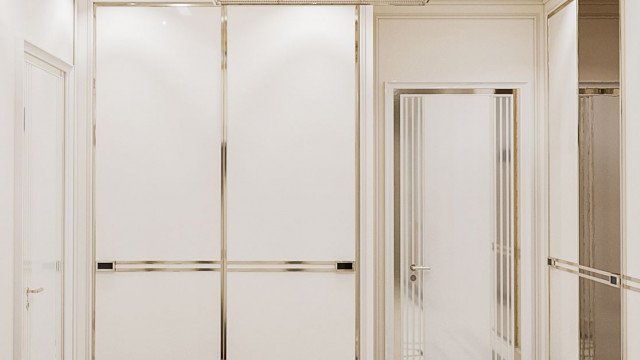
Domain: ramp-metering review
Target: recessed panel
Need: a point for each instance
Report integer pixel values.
(291, 316)
(157, 316)
(291, 133)
(157, 151)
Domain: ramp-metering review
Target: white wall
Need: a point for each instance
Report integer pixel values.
(467, 44)
(47, 24)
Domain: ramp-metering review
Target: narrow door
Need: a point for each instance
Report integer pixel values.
(42, 206)
(157, 183)
(455, 246)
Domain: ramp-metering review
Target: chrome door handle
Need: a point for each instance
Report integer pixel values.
(419, 268)
(35, 291)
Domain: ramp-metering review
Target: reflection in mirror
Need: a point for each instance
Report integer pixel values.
(599, 164)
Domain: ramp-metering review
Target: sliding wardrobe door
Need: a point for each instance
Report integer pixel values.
(157, 183)
(291, 177)
(563, 180)
(585, 270)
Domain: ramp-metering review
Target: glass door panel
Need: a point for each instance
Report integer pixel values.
(456, 248)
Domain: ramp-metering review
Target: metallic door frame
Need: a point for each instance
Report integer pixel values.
(224, 264)
(397, 93)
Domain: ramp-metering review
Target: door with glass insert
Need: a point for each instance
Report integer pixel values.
(456, 253)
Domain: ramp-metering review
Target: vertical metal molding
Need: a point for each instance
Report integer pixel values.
(92, 224)
(223, 188)
(357, 184)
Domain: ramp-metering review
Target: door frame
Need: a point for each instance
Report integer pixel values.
(24, 48)
(531, 250)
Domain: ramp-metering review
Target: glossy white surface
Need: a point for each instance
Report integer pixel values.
(291, 141)
(157, 180)
(563, 134)
(158, 316)
(158, 133)
(563, 181)
(633, 326)
(564, 312)
(43, 211)
(631, 131)
(291, 316)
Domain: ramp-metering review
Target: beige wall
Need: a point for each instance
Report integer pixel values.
(599, 48)
(47, 24)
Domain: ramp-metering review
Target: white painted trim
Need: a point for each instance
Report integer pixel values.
(367, 195)
(83, 58)
(23, 47)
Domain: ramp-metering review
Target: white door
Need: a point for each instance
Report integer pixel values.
(42, 206)
(454, 244)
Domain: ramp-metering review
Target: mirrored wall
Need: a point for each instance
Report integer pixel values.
(585, 246)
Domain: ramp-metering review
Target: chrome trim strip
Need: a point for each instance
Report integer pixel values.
(612, 279)
(452, 91)
(154, 4)
(356, 266)
(161, 269)
(631, 283)
(322, 2)
(318, 270)
(284, 262)
(559, 8)
(223, 182)
(232, 266)
(168, 262)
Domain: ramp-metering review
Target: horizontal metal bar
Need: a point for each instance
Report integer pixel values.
(324, 2)
(191, 269)
(599, 91)
(215, 265)
(281, 262)
(612, 279)
(153, 4)
(585, 268)
(631, 283)
(168, 262)
(450, 91)
(316, 270)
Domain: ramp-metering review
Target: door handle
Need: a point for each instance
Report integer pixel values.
(35, 291)
(414, 267)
